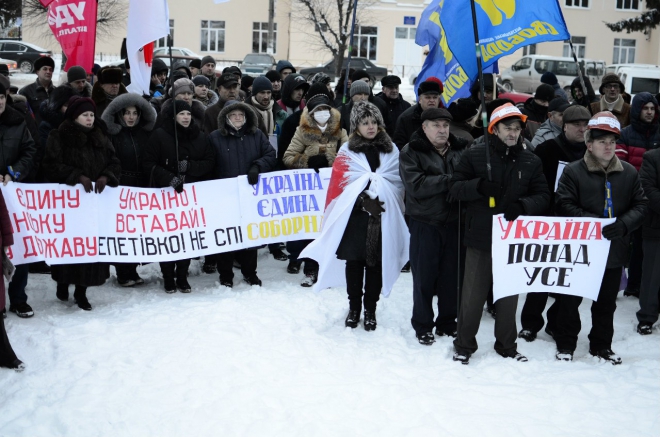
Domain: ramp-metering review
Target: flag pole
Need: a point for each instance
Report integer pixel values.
(176, 138)
(484, 120)
(350, 49)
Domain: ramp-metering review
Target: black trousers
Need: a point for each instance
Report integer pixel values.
(171, 269)
(126, 271)
(247, 258)
(648, 295)
(359, 275)
(294, 248)
(636, 260)
(602, 315)
(7, 355)
(434, 264)
(531, 317)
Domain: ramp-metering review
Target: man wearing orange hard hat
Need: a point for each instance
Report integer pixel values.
(517, 187)
(599, 185)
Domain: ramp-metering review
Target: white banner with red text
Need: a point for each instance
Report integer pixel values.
(565, 255)
(61, 224)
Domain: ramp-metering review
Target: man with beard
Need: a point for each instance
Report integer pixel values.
(394, 101)
(208, 70)
(276, 80)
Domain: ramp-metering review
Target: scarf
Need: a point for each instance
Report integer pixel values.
(266, 114)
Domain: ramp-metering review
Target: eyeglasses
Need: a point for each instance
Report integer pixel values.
(612, 86)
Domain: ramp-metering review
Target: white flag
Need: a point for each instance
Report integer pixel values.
(148, 20)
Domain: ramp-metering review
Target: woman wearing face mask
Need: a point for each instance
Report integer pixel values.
(364, 203)
(241, 148)
(314, 145)
(79, 152)
(129, 119)
(195, 163)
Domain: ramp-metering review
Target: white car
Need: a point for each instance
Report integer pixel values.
(176, 51)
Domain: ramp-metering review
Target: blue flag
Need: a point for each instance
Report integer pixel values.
(440, 62)
(504, 27)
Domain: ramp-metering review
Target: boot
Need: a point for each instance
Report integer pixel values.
(369, 320)
(170, 285)
(352, 319)
(62, 292)
(183, 285)
(80, 295)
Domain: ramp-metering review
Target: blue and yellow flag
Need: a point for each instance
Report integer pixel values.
(504, 27)
(440, 61)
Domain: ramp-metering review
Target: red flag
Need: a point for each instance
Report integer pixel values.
(73, 23)
(45, 3)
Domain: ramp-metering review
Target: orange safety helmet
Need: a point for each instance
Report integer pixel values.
(605, 121)
(505, 111)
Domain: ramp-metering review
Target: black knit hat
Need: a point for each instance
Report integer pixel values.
(181, 105)
(274, 76)
(44, 61)
(158, 65)
(359, 74)
(317, 101)
(207, 60)
(261, 84)
(247, 82)
(110, 74)
(317, 88)
(77, 105)
(201, 80)
(195, 63)
(463, 109)
(76, 73)
(544, 92)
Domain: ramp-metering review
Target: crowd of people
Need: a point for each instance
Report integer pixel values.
(420, 170)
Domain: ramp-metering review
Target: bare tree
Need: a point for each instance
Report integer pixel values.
(330, 23)
(110, 15)
(10, 11)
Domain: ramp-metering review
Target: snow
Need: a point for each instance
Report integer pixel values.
(278, 361)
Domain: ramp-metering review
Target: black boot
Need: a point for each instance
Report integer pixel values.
(80, 295)
(62, 292)
(170, 284)
(353, 318)
(182, 284)
(369, 320)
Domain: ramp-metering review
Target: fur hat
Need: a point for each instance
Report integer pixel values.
(261, 83)
(182, 85)
(362, 110)
(463, 109)
(390, 80)
(110, 74)
(76, 73)
(611, 78)
(44, 61)
(359, 87)
(430, 85)
(207, 60)
(544, 92)
(77, 105)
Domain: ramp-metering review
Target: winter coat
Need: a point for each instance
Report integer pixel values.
(649, 175)
(51, 116)
(559, 92)
(639, 137)
(393, 108)
(409, 122)
(310, 141)
(288, 85)
(353, 245)
(237, 151)
(621, 110)
(129, 142)
(160, 163)
(462, 129)
(73, 150)
(197, 112)
(581, 193)
(534, 112)
(17, 147)
(19, 103)
(547, 131)
(6, 240)
(35, 93)
(212, 99)
(529, 188)
(211, 116)
(346, 109)
(101, 99)
(289, 128)
(551, 152)
(426, 175)
(588, 98)
(279, 116)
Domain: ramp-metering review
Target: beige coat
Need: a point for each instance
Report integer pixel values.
(310, 141)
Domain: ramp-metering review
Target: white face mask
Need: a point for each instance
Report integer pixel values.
(321, 117)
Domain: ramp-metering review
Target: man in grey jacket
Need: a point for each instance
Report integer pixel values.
(552, 127)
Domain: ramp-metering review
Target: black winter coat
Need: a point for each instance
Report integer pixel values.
(638, 137)
(197, 112)
(394, 109)
(409, 122)
(426, 175)
(649, 175)
(345, 111)
(520, 175)
(288, 131)
(72, 151)
(237, 151)
(17, 147)
(581, 193)
(35, 94)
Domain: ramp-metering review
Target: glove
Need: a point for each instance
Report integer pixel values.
(615, 230)
(100, 184)
(177, 183)
(253, 175)
(86, 183)
(373, 206)
(488, 189)
(514, 211)
(317, 161)
(183, 166)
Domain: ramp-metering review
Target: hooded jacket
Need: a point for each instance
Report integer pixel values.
(426, 175)
(394, 109)
(290, 83)
(649, 175)
(17, 147)
(197, 112)
(129, 142)
(237, 151)
(309, 140)
(581, 193)
(547, 131)
(587, 99)
(639, 137)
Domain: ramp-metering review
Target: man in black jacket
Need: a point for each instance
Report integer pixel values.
(360, 91)
(394, 101)
(426, 165)
(40, 89)
(526, 194)
(585, 187)
(568, 147)
(410, 121)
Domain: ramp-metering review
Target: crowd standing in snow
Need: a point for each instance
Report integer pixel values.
(90, 129)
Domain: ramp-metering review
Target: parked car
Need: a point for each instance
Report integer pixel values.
(376, 73)
(514, 96)
(12, 66)
(176, 51)
(640, 79)
(23, 53)
(257, 64)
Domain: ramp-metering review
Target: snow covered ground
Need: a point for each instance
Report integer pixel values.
(278, 361)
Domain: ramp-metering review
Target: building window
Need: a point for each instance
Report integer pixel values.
(213, 36)
(577, 3)
(260, 38)
(366, 42)
(162, 42)
(529, 50)
(405, 32)
(579, 44)
(627, 4)
(624, 51)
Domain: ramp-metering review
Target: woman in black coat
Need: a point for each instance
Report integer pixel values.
(79, 152)
(167, 167)
(130, 119)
